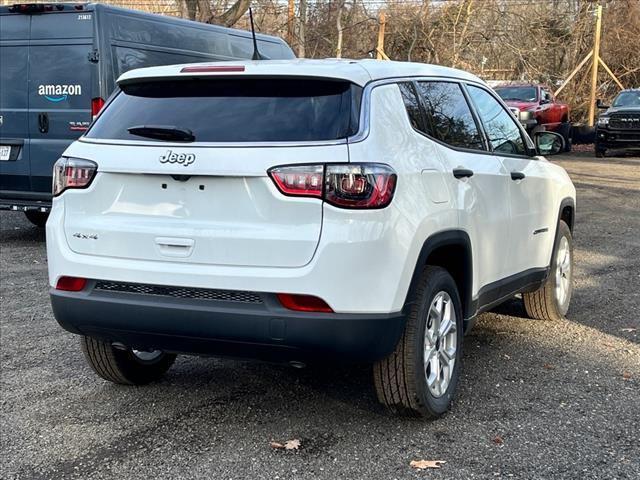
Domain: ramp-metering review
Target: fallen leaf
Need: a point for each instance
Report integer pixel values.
(424, 464)
(292, 444)
(626, 375)
(498, 440)
(548, 366)
(288, 445)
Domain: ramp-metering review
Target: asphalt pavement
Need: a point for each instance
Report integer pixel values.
(537, 400)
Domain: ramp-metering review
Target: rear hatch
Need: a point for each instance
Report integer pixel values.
(210, 200)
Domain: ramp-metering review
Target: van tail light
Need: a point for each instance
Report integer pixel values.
(303, 303)
(71, 284)
(350, 185)
(72, 173)
(96, 105)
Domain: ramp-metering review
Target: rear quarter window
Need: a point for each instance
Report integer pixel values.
(235, 110)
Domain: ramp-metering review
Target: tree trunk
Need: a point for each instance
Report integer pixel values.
(339, 27)
(301, 28)
(189, 9)
(228, 18)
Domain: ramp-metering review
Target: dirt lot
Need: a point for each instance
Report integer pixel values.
(537, 399)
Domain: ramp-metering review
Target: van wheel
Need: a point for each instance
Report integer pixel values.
(420, 377)
(126, 367)
(551, 300)
(39, 219)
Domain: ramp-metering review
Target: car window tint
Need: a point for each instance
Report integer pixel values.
(235, 110)
(450, 115)
(500, 126)
(412, 105)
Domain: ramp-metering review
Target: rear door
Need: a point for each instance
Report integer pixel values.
(14, 102)
(531, 192)
(209, 201)
(482, 185)
(60, 76)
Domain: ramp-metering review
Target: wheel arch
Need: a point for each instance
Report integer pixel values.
(566, 213)
(451, 250)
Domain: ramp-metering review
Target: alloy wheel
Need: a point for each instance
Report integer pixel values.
(440, 344)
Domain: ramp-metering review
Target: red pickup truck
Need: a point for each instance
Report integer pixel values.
(548, 113)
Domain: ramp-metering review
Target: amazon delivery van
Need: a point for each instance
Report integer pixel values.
(58, 65)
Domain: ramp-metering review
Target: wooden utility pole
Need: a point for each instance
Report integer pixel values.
(594, 55)
(596, 64)
(380, 48)
(291, 22)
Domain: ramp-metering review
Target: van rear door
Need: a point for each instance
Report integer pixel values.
(14, 103)
(60, 76)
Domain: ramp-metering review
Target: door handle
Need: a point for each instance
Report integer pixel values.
(462, 172)
(517, 175)
(43, 122)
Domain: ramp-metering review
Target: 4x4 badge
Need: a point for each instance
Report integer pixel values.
(183, 158)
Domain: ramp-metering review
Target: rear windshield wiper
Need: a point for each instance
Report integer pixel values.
(162, 132)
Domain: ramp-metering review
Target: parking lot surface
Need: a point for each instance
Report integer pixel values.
(536, 399)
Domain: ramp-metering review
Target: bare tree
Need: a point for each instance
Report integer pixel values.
(201, 10)
(302, 28)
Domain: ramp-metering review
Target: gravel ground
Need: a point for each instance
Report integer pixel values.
(536, 399)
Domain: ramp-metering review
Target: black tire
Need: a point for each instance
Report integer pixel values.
(544, 303)
(123, 366)
(601, 152)
(565, 131)
(39, 219)
(400, 379)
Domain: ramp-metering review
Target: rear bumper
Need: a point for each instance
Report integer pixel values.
(23, 201)
(262, 330)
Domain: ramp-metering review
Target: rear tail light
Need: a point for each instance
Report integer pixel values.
(303, 303)
(72, 173)
(96, 105)
(71, 284)
(353, 185)
(299, 181)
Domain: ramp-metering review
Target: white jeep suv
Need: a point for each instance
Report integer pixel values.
(292, 210)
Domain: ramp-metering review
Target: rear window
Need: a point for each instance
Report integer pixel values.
(235, 110)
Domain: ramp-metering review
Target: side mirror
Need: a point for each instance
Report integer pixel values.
(601, 105)
(548, 143)
(544, 101)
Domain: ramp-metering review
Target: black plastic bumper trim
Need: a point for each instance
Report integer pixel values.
(205, 327)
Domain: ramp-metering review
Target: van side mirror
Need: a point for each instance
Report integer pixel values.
(548, 143)
(601, 105)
